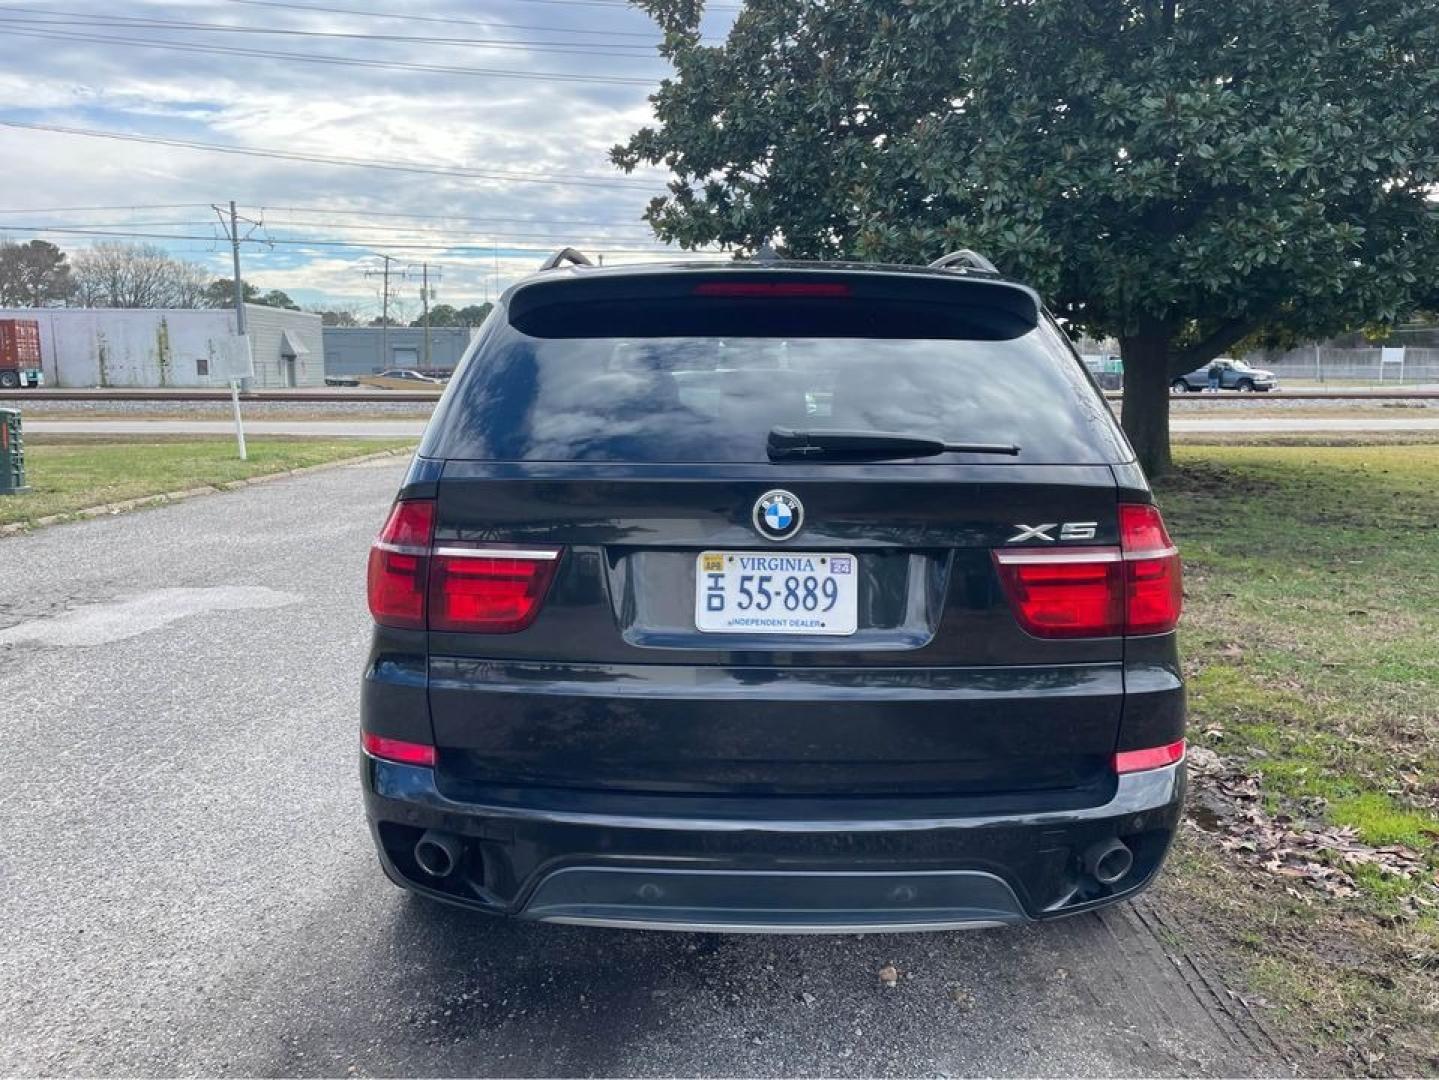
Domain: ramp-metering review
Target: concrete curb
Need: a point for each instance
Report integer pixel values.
(107, 509)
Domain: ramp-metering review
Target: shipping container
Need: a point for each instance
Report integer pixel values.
(20, 354)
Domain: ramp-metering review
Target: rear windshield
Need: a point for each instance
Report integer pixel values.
(715, 397)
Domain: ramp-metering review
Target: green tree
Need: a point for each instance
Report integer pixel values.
(446, 315)
(1181, 176)
(220, 293)
(337, 317)
(473, 314)
(440, 315)
(277, 298)
(33, 274)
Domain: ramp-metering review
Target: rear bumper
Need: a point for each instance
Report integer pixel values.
(744, 867)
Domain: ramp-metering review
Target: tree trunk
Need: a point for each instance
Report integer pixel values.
(1146, 398)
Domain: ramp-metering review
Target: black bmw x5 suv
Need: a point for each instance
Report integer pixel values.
(773, 596)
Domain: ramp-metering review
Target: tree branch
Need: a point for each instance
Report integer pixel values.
(1212, 344)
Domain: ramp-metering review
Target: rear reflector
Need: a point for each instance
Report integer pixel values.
(1154, 757)
(489, 590)
(1072, 592)
(783, 289)
(406, 753)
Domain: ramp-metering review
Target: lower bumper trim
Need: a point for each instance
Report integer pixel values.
(775, 928)
(773, 901)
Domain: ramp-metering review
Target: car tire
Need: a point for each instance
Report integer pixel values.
(9, 380)
(1179, 386)
(1245, 386)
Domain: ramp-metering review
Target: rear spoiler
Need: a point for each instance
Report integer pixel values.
(749, 301)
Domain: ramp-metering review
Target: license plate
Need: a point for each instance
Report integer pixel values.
(766, 592)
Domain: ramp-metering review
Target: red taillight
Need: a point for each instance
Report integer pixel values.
(780, 289)
(400, 566)
(407, 753)
(1065, 592)
(485, 589)
(1073, 592)
(1151, 757)
(489, 590)
(1153, 583)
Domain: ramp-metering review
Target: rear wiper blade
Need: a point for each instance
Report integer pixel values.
(788, 443)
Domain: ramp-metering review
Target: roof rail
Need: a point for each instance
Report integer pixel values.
(565, 255)
(964, 259)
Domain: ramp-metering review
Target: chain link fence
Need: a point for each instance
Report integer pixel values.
(1325, 364)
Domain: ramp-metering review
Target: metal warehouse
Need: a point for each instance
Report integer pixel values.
(362, 350)
(84, 347)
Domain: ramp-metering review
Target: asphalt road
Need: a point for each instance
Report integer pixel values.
(411, 429)
(187, 885)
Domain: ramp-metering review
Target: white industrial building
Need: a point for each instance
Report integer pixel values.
(87, 347)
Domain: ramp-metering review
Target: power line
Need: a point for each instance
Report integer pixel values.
(292, 223)
(306, 223)
(458, 172)
(621, 4)
(124, 22)
(410, 229)
(354, 245)
(126, 206)
(306, 58)
(397, 230)
(444, 217)
(449, 21)
(331, 211)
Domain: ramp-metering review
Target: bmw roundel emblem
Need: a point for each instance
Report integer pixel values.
(778, 515)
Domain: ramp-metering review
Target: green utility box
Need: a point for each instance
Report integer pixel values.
(12, 453)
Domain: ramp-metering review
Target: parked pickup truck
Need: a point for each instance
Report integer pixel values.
(1233, 375)
(20, 354)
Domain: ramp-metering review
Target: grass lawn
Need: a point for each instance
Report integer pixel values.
(65, 477)
(1311, 640)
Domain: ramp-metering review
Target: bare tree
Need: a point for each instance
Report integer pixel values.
(135, 276)
(189, 283)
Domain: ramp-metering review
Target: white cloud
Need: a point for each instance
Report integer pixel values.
(548, 128)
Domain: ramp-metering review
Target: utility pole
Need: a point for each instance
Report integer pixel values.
(231, 223)
(425, 307)
(384, 308)
(425, 298)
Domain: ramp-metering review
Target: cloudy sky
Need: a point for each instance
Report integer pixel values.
(494, 96)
